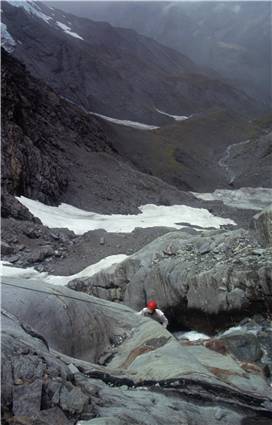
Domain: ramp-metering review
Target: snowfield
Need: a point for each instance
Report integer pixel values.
(7, 41)
(248, 198)
(80, 221)
(31, 7)
(67, 30)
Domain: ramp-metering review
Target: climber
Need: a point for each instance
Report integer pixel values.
(151, 310)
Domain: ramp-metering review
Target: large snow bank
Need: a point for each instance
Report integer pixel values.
(80, 221)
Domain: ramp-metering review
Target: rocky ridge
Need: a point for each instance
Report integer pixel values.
(97, 68)
(231, 38)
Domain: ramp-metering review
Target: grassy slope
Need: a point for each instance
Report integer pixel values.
(185, 153)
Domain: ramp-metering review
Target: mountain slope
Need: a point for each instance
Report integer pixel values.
(54, 152)
(234, 38)
(187, 154)
(113, 71)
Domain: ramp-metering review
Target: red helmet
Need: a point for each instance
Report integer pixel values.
(152, 305)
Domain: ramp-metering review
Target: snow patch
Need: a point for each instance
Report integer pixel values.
(80, 221)
(67, 30)
(175, 117)
(191, 335)
(7, 270)
(248, 198)
(7, 42)
(30, 7)
(127, 123)
(133, 124)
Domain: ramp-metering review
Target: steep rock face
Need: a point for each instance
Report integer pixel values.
(10, 207)
(263, 226)
(38, 130)
(114, 71)
(139, 370)
(203, 282)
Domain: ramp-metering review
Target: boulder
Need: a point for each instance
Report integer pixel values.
(204, 282)
(245, 347)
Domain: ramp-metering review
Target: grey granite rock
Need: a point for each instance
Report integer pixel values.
(212, 280)
(150, 378)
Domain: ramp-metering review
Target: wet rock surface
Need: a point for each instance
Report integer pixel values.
(147, 380)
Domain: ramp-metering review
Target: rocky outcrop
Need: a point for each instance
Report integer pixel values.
(248, 162)
(147, 375)
(36, 386)
(11, 207)
(32, 244)
(249, 342)
(38, 130)
(98, 322)
(203, 282)
(262, 223)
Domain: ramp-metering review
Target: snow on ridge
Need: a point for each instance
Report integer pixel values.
(175, 117)
(30, 7)
(80, 221)
(127, 123)
(7, 41)
(67, 30)
(8, 270)
(249, 198)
